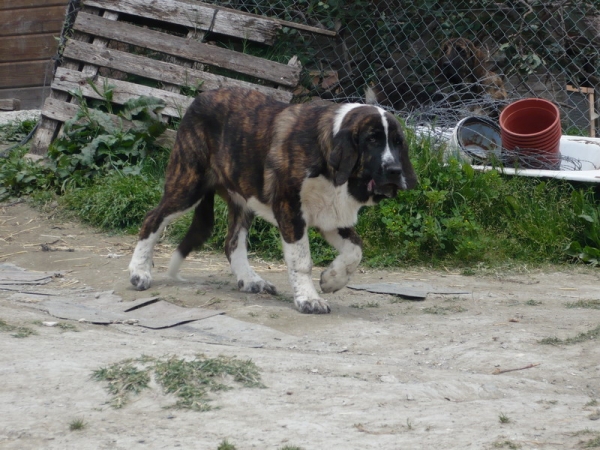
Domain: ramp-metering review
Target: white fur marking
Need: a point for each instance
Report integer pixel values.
(387, 158)
(142, 255)
(345, 264)
(341, 115)
(239, 261)
(298, 260)
(262, 210)
(328, 207)
(174, 265)
(141, 261)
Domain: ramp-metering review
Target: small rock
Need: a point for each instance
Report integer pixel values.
(388, 379)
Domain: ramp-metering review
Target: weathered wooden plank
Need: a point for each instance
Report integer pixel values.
(30, 98)
(27, 48)
(25, 73)
(15, 4)
(67, 80)
(159, 70)
(197, 16)
(304, 27)
(62, 111)
(48, 129)
(189, 49)
(10, 104)
(32, 21)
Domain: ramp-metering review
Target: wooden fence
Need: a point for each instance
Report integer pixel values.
(28, 41)
(158, 48)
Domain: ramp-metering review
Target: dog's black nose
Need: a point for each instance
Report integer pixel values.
(393, 171)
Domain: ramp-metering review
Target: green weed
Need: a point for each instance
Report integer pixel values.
(506, 444)
(443, 310)
(364, 305)
(123, 378)
(17, 331)
(586, 304)
(225, 445)
(190, 381)
(592, 443)
(77, 424)
(533, 303)
(503, 418)
(589, 335)
(16, 131)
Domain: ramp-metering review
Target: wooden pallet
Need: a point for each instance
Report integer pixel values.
(105, 50)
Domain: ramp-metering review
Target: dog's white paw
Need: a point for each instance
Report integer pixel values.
(176, 277)
(141, 279)
(332, 280)
(256, 286)
(312, 305)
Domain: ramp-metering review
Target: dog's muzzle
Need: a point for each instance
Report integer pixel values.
(391, 182)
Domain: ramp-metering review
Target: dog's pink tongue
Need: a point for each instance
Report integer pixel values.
(371, 186)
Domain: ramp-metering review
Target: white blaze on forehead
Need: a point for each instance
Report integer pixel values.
(341, 115)
(387, 157)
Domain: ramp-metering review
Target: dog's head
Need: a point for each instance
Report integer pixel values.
(370, 153)
(461, 61)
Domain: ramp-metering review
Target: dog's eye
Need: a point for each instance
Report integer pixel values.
(372, 138)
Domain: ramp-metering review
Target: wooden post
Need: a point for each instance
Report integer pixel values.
(592, 111)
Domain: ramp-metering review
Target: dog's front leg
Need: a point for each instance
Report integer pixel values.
(299, 263)
(349, 245)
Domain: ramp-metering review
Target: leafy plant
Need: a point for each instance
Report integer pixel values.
(94, 142)
(587, 247)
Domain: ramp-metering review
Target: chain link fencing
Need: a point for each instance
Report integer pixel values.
(436, 62)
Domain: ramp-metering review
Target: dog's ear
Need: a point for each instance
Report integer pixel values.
(343, 155)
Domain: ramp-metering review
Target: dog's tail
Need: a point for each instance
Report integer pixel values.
(200, 230)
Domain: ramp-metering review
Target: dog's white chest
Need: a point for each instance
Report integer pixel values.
(324, 205)
(327, 206)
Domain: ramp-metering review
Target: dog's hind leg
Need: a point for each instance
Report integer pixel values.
(349, 245)
(199, 231)
(175, 202)
(236, 250)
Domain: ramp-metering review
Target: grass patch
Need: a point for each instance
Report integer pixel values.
(503, 418)
(190, 381)
(584, 336)
(372, 304)
(15, 330)
(443, 310)
(66, 326)
(592, 443)
(506, 444)
(584, 304)
(225, 445)
(123, 379)
(77, 425)
(533, 303)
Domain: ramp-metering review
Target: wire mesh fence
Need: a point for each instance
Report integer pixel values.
(435, 62)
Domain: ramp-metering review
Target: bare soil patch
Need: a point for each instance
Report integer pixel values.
(379, 372)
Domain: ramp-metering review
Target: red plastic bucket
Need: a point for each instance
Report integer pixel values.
(531, 127)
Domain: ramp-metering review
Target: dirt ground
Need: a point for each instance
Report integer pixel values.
(379, 372)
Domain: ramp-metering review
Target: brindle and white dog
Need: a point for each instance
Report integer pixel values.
(297, 166)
